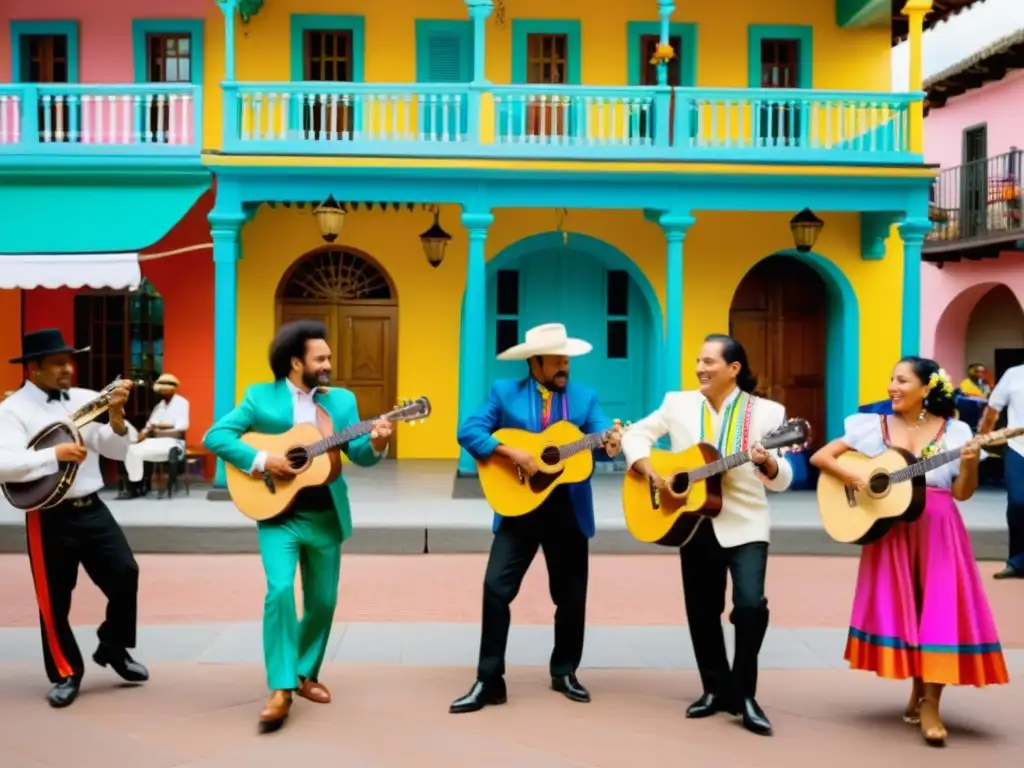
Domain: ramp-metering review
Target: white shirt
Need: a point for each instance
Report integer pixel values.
(1010, 392)
(864, 435)
(744, 516)
(174, 411)
(26, 412)
(303, 412)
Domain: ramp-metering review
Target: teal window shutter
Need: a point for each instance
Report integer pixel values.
(444, 56)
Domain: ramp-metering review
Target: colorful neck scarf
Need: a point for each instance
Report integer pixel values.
(734, 428)
(546, 396)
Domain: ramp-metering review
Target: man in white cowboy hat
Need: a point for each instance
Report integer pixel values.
(561, 526)
(164, 432)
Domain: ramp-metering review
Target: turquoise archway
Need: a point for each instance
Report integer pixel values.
(842, 373)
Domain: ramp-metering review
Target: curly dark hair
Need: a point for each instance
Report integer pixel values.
(937, 402)
(733, 352)
(290, 342)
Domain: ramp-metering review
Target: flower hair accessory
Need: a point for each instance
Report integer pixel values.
(941, 379)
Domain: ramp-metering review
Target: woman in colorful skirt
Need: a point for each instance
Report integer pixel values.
(920, 610)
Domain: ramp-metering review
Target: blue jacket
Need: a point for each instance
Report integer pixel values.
(516, 403)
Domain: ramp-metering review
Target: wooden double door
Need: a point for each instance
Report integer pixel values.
(780, 315)
(363, 339)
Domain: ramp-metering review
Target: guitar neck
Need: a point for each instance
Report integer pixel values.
(338, 439)
(723, 464)
(919, 468)
(585, 443)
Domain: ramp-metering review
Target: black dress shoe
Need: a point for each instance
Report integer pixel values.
(571, 688)
(121, 662)
(1009, 572)
(480, 695)
(63, 693)
(709, 704)
(754, 718)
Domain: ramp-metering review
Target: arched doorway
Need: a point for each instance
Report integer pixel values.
(780, 313)
(995, 333)
(594, 289)
(356, 300)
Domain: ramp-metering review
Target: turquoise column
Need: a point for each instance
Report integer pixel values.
(229, 8)
(913, 232)
(665, 10)
(473, 338)
(479, 11)
(226, 230)
(675, 227)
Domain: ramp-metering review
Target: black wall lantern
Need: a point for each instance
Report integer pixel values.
(435, 241)
(805, 227)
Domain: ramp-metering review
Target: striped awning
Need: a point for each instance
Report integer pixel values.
(70, 270)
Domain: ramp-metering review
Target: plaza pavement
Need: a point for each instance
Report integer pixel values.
(406, 507)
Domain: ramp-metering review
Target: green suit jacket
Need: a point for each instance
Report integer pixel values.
(268, 408)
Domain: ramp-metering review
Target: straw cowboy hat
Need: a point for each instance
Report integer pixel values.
(166, 381)
(547, 339)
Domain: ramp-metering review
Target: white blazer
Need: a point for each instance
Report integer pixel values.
(744, 517)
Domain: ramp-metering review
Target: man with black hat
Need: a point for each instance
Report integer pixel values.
(80, 530)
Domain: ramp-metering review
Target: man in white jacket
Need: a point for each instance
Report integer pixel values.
(723, 412)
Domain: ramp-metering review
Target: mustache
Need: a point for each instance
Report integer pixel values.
(562, 373)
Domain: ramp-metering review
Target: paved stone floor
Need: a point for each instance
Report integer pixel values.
(405, 645)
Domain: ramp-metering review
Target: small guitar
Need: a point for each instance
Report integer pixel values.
(563, 455)
(50, 491)
(694, 475)
(894, 489)
(312, 452)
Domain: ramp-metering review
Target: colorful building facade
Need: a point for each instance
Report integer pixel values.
(643, 203)
(973, 270)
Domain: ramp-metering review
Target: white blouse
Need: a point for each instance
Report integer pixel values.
(864, 434)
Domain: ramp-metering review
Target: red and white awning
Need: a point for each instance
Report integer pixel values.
(70, 270)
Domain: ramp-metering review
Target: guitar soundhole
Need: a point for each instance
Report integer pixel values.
(550, 456)
(879, 484)
(680, 483)
(297, 457)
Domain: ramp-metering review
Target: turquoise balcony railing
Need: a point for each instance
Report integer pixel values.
(565, 122)
(151, 119)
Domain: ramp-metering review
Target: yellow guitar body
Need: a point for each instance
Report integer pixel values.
(670, 519)
(512, 494)
(251, 494)
(860, 517)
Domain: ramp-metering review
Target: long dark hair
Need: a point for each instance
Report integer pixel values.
(733, 352)
(290, 342)
(937, 402)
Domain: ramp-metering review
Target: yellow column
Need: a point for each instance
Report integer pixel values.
(915, 11)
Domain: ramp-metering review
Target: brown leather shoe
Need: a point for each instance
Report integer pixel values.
(275, 711)
(314, 691)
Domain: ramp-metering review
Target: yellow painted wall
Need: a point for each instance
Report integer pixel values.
(719, 250)
(853, 59)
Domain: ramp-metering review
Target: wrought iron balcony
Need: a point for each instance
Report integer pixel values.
(566, 122)
(977, 205)
(150, 119)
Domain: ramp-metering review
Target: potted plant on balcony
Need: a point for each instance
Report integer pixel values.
(1011, 195)
(663, 54)
(937, 215)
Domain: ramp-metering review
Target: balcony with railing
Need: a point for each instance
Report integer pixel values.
(150, 120)
(568, 122)
(977, 205)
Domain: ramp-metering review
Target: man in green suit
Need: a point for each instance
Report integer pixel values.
(310, 533)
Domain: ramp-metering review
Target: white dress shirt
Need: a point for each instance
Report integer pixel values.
(174, 412)
(1010, 392)
(26, 412)
(303, 412)
(744, 516)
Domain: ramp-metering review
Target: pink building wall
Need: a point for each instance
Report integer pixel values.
(104, 28)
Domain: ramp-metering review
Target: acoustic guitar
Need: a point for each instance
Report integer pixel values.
(695, 479)
(49, 491)
(312, 451)
(563, 456)
(894, 490)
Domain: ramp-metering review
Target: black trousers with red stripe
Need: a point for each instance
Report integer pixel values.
(59, 540)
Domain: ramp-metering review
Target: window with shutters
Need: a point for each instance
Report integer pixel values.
(45, 60)
(506, 330)
(327, 58)
(444, 56)
(547, 60)
(780, 68)
(617, 307)
(168, 60)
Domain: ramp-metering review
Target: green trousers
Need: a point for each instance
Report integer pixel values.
(311, 541)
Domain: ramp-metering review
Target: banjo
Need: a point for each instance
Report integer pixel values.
(49, 491)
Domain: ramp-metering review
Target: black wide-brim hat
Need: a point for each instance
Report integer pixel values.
(44, 343)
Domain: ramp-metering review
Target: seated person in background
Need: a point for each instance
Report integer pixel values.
(164, 432)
